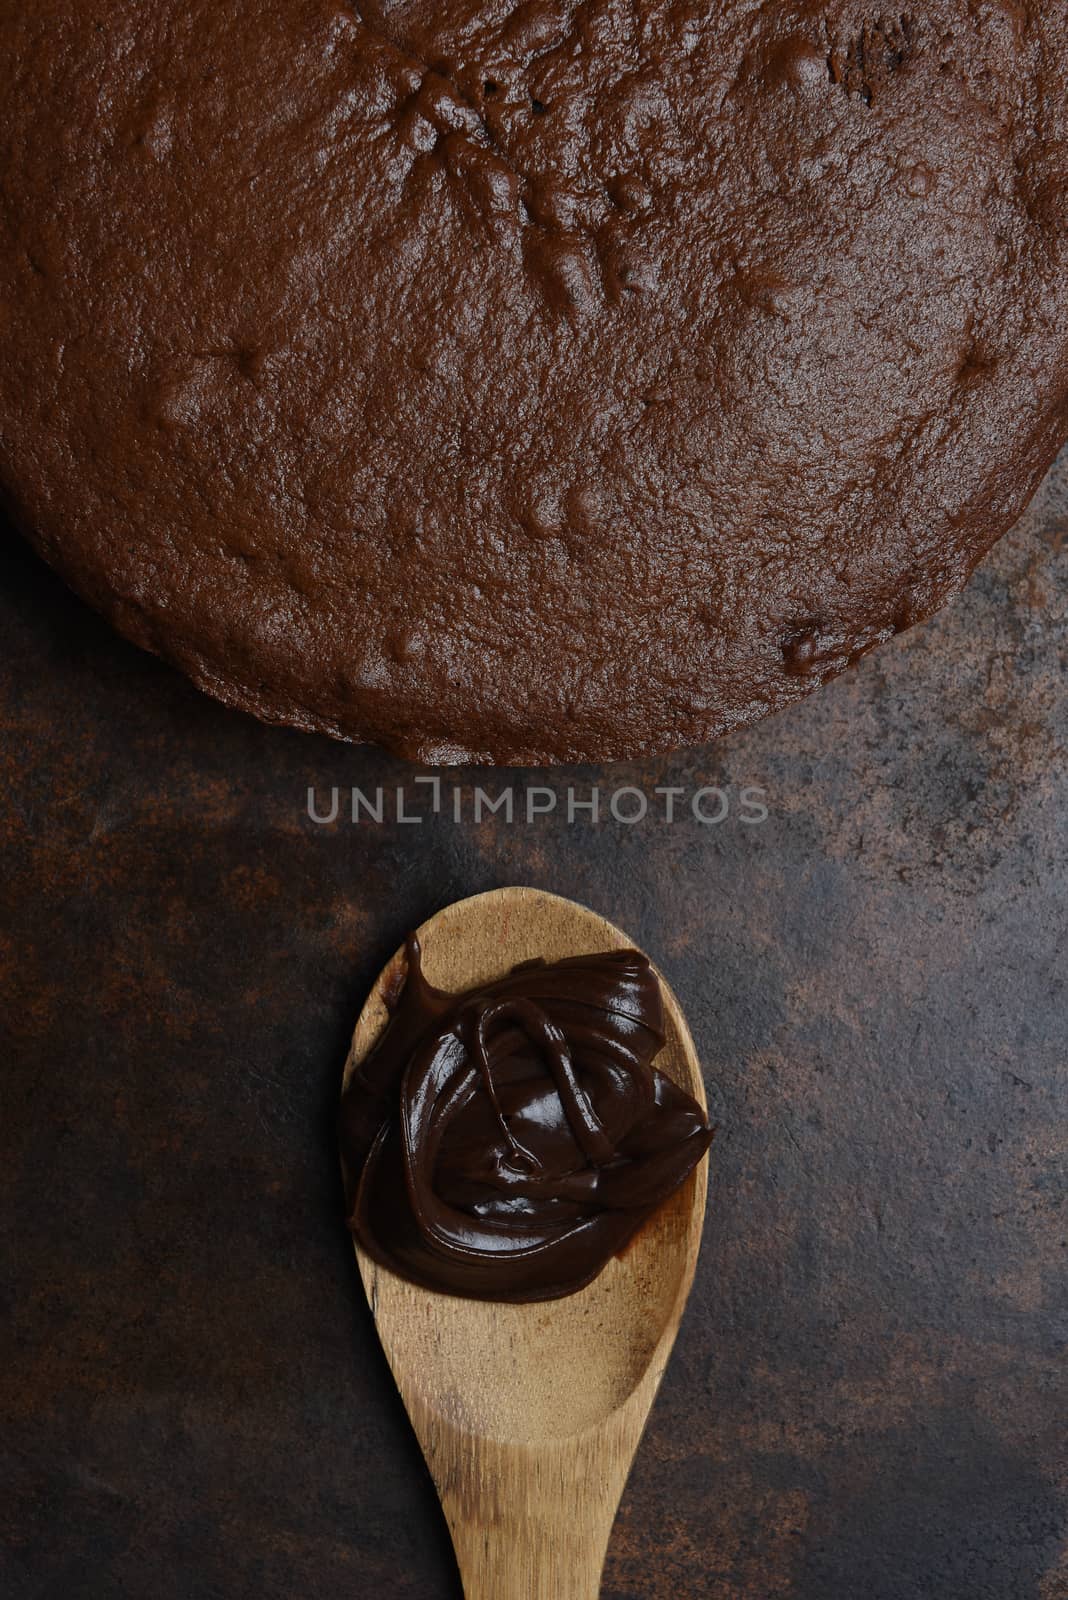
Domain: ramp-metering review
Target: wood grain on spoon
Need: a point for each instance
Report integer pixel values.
(529, 1415)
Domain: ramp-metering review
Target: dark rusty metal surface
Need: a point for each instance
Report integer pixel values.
(868, 1398)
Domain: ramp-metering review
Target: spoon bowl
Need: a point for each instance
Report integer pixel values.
(529, 1415)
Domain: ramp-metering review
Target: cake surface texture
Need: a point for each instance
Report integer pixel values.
(576, 379)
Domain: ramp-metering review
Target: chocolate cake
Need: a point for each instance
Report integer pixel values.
(527, 382)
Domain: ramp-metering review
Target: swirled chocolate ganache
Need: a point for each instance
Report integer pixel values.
(505, 1143)
(527, 382)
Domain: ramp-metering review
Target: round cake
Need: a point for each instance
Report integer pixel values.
(571, 379)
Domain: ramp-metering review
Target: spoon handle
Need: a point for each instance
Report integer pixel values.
(531, 1522)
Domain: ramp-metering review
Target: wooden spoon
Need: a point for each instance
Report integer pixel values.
(529, 1415)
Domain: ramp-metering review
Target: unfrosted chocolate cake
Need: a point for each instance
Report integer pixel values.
(527, 382)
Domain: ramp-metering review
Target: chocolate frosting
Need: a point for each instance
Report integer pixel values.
(505, 1143)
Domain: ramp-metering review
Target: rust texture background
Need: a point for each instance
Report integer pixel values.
(869, 1395)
